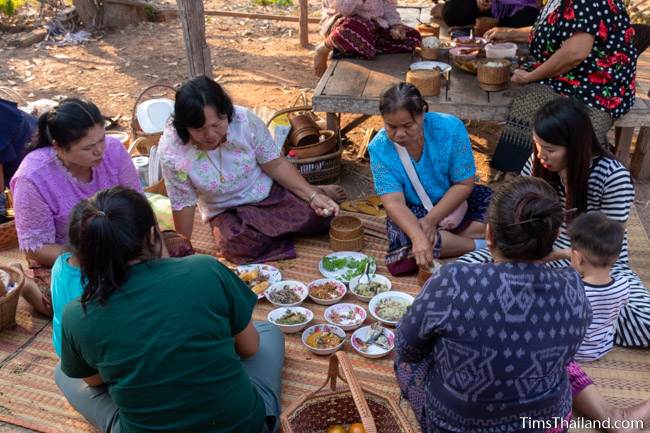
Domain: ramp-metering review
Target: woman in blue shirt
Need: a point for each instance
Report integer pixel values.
(443, 219)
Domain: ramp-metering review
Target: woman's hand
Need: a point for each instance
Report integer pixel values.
(484, 5)
(430, 228)
(521, 77)
(500, 34)
(398, 32)
(422, 250)
(323, 205)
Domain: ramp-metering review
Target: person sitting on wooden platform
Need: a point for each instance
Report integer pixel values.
(585, 50)
(362, 28)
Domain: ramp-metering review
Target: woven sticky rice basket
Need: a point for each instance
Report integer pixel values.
(9, 302)
(320, 409)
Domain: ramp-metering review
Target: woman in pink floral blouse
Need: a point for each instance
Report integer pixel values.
(222, 158)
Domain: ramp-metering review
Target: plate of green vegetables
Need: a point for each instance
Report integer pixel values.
(345, 265)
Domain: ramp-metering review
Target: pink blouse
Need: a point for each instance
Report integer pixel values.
(45, 192)
(225, 177)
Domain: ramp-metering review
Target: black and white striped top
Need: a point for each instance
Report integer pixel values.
(610, 191)
(606, 301)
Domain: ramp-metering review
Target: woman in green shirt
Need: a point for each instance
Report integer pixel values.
(162, 344)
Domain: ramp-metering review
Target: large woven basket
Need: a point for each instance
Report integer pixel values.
(318, 170)
(148, 140)
(318, 410)
(9, 303)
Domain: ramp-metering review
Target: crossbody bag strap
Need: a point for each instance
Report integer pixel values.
(413, 176)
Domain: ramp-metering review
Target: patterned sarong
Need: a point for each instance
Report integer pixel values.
(399, 258)
(364, 38)
(516, 141)
(412, 379)
(261, 232)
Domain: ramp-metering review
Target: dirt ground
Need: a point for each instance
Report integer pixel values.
(259, 62)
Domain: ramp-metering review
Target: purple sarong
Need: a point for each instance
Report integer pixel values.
(261, 232)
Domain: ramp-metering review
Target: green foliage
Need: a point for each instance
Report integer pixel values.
(8, 7)
(279, 3)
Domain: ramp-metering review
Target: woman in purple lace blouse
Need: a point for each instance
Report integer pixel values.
(69, 160)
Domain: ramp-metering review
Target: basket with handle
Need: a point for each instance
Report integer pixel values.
(148, 140)
(317, 170)
(9, 302)
(319, 409)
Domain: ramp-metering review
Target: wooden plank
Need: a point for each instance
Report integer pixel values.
(348, 79)
(171, 13)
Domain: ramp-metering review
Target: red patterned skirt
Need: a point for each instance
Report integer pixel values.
(364, 38)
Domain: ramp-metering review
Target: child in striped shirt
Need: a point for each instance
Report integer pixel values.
(595, 246)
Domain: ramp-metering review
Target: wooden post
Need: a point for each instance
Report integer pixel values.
(640, 165)
(304, 23)
(198, 52)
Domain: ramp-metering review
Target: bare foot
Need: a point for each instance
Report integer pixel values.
(636, 417)
(321, 54)
(335, 192)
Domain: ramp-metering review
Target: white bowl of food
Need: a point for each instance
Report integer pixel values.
(286, 293)
(366, 291)
(346, 316)
(290, 319)
(323, 339)
(373, 341)
(326, 291)
(258, 277)
(389, 307)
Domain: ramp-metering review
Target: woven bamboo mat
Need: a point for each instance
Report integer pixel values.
(30, 398)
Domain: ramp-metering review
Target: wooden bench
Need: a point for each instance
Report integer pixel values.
(354, 86)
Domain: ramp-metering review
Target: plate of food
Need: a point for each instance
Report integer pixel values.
(373, 341)
(323, 339)
(326, 291)
(367, 289)
(389, 307)
(430, 65)
(258, 277)
(345, 265)
(469, 41)
(346, 316)
(286, 293)
(290, 319)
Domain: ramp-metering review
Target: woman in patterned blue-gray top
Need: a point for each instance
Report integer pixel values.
(486, 346)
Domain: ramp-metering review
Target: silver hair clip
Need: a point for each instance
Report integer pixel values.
(100, 213)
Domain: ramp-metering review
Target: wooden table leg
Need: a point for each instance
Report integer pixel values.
(624, 137)
(304, 23)
(333, 121)
(640, 165)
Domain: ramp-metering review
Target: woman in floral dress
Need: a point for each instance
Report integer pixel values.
(222, 158)
(582, 49)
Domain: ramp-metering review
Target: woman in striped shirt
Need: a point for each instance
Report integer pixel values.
(587, 178)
